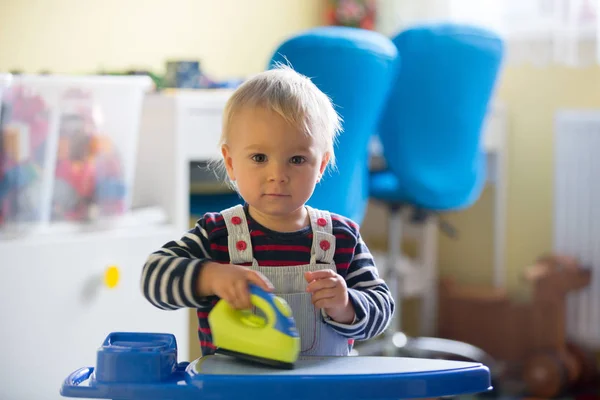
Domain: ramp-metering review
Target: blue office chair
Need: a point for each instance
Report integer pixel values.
(431, 131)
(355, 68)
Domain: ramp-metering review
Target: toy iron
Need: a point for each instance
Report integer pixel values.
(271, 339)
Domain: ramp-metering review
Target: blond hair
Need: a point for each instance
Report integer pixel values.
(295, 98)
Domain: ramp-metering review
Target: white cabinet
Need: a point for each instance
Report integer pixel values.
(56, 309)
(177, 128)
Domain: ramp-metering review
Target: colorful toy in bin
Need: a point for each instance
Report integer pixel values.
(89, 178)
(136, 366)
(270, 338)
(25, 127)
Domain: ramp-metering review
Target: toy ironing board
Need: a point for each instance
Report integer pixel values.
(136, 366)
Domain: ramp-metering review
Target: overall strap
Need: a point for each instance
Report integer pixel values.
(239, 240)
(323, 245)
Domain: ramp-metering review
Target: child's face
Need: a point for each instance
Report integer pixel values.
(274, 165)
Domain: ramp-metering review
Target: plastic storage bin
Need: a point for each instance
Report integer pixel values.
(69, 148)
(5, 80)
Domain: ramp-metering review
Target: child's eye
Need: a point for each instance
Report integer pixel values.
(297, 160)
(259, 158)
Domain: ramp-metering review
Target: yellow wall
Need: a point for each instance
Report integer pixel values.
(230, 37)
(532, 95)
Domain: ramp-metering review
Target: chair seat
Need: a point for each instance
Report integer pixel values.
(386, 187)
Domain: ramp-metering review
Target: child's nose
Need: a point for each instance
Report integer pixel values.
(278, 173)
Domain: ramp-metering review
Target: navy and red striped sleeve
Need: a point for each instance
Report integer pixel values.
(170, 274)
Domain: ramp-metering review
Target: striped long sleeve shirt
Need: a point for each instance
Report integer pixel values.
(170, 275)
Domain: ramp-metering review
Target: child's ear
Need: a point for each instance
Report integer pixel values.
(228, 162)
(324, 162)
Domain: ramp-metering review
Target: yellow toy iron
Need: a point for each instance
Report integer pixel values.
(271, 340)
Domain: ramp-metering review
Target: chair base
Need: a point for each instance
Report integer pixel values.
(408, 277)
(399, 345)
(413, 280)
(412, 277)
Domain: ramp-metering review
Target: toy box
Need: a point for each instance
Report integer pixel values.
(4, 82)
(68, 148)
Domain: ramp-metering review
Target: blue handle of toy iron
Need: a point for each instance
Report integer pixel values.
(267, 296)
(260, 292)
(281, 321)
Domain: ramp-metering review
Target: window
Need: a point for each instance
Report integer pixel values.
(536, 31)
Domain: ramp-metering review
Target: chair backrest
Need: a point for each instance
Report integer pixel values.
(431, 129)
(355, 68)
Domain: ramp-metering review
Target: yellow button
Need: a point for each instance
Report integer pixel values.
(111, 276)
(283, 307)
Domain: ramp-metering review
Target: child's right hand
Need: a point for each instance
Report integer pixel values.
(230, 282)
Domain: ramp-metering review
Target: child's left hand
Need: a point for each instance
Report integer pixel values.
(329, 292)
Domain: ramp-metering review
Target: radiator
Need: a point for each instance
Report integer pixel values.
(577, 213)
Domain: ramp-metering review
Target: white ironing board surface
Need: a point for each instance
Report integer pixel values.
(319, 366)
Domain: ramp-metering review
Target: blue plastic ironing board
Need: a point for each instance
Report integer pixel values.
(136, 366)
